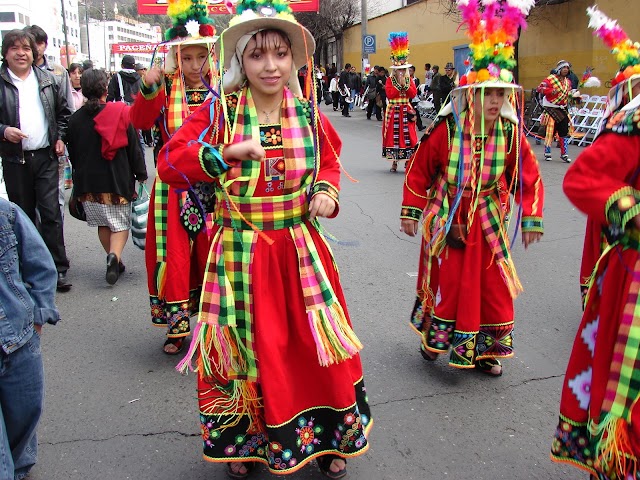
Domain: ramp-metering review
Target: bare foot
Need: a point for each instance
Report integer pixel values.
(238, 467)
(173, 346)
(338, 465)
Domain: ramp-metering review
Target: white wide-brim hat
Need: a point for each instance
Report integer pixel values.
(171, 59)
(618, 92)
(302, 42)
(458, 99)
(398, 67)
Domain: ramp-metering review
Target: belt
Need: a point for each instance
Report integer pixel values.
(32, 153)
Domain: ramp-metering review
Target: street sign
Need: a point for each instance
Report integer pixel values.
(368, 44)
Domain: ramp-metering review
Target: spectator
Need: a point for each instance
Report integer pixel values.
(344, 89)
(381, 99)
(61, 77)
(75, 74)
(355, 83)
(335, 93)
(124, 84)
(87, 64)
(442, 85)
(428, 75)
(32, 101)
(141, 70)
(371, 88)
(27, 294)
(416, 99)
(146, 137)
(104, 171)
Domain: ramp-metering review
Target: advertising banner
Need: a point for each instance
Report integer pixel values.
(132, 48)
(218, 7)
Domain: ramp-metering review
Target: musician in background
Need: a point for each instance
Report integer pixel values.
(343, 87)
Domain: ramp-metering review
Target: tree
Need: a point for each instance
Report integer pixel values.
(330, 23)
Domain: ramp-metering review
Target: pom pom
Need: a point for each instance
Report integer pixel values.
(472, 77)
(592, 82)
(207, 30)
(466, 61)
(483, 75)
(506, 75)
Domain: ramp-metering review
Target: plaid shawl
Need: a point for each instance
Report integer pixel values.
(225, 323)
(477, 178)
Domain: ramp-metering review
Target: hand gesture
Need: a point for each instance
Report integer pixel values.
(247, 150)
(155, 76)
(14, 135)
(408, 226)
(322, 205)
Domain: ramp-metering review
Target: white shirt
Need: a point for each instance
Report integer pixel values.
(33, 121)
(333, 86)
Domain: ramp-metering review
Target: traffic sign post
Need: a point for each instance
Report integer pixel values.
(368, 44)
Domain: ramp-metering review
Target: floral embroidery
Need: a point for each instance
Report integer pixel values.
(307, 432)
(273, 136)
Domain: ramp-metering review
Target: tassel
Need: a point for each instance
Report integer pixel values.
(335, 339)
(237, 399)
(161, 274)
(613, 451)
(186, 363)
(510, 277)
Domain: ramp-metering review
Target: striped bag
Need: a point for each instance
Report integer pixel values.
(139, 213)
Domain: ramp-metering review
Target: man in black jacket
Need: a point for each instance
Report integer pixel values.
(370, 87)
(343, 87)
(124, 84)
(34, 115)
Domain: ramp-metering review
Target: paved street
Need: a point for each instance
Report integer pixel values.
(116, 408)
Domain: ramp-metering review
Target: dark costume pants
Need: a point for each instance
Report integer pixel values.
(34, 185)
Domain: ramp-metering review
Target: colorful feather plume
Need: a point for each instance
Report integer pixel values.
(627, 52)
(189, 18)
(399, 42)
(493, 26)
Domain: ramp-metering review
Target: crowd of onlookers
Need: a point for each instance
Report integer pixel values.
(346, 88)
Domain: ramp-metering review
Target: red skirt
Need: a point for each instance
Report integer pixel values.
(306, 410)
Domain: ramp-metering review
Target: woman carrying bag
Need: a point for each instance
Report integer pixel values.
(103, 150)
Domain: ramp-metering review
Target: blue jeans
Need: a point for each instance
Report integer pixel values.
(21, 401)
(353, 96)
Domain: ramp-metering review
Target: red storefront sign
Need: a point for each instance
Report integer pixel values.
(124, 48)
(218, 7)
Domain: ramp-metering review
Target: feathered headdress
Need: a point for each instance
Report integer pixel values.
(190, 19)
(492, 26)
(399, 42)
(627, 53)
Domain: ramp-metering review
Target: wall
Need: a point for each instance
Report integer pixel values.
(555, 32)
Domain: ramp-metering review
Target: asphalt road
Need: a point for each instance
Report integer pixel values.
(116, 408)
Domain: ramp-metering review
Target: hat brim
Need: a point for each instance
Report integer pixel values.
(617, 93)
(398, 67)
(170, 62)
(459, 99)
(302, 42)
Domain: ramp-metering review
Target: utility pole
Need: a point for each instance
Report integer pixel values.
(363, 28)
(64, 26)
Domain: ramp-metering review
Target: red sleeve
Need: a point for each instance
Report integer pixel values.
(328, 178)
(425, 164)
(546, 88)
(183, 160)
(147, 106)
(600, 175)
(390, 90)
(531, 191)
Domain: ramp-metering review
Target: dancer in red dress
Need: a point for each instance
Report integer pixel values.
(279, 375)
(599, 426)
(177, 241)
(459, 181)
(399, 135)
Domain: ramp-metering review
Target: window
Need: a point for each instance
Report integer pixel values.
(27, 20)
(21, 18)
(7, 17)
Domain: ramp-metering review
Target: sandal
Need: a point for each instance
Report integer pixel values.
(176, 342)
(426, 356)
(394, 167)
(488, 367)
(324, 463)
(248, 465)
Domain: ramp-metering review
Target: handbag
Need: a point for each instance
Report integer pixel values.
(68, 174)
(139, 215)
(328, 99)
(76, 210)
